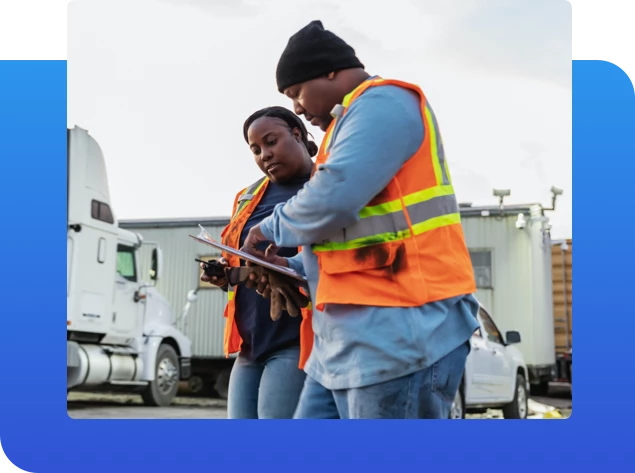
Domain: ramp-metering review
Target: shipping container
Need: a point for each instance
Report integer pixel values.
(562, 276)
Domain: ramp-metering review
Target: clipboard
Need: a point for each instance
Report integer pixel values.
(206, 239)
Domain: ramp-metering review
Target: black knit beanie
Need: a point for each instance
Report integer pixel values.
(313, 52)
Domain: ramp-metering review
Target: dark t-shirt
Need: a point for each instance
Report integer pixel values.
(261, 335)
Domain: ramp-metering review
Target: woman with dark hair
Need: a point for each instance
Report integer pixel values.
(267, 376)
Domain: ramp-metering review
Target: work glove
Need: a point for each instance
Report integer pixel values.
(285, 292)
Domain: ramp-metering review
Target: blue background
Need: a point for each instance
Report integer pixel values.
(37, 435)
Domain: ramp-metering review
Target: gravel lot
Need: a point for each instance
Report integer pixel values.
(120, 406)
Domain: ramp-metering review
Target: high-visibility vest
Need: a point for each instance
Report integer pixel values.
(407, 248)
(244, 204)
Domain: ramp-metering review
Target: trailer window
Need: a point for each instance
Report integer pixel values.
(126, 266)
(482, 264)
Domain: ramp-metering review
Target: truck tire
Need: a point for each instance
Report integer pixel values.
(517, 409)
(162, 391)
(196, 385)
(222, 383)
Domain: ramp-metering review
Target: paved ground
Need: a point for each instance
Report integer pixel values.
(559, 397)
(117, 406)
(121, 406)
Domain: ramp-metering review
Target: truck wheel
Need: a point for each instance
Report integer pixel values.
(196, 385)
(222, 383)
(163, 389)
(517, 409)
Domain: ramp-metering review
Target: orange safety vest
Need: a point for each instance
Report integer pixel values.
(407, 247)
(244, 205)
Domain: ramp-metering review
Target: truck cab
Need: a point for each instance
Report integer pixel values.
(120, 329)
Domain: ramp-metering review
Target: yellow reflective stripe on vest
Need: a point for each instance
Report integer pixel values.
(395, 225)
(410, 199)
(437, 222)
(427, 209)
(436, 148)
(418, 228)
(247, 195)
(230, 295)
(361, 242)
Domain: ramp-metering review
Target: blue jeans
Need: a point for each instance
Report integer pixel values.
(425, 394)
(266, 390)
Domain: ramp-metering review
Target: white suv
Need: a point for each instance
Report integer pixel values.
(495, 374)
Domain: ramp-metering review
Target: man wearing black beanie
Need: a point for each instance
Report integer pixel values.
(310, 63)
(389, 272)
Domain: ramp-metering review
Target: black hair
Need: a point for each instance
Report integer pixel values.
(290, 118)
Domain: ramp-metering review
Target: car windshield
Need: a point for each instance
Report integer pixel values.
(493, 334)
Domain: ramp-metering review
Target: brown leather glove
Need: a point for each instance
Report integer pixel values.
(285, 292)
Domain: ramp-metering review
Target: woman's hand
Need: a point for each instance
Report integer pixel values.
(220, 282)
(262, 286)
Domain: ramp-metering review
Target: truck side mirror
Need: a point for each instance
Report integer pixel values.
(512, 337)
(157, 264)
(192, 296)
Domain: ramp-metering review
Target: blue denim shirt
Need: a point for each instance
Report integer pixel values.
(357, 346)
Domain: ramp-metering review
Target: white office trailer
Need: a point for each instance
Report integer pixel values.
(511, 254)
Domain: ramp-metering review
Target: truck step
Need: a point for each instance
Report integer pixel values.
(129, 383)
(120, 351)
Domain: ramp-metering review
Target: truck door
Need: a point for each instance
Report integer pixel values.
(127, 310)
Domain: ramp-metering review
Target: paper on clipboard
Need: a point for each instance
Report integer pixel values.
(206, 239)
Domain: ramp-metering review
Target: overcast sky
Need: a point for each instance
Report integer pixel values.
(165, 86)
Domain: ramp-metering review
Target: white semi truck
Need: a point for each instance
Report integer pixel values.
(120, 330)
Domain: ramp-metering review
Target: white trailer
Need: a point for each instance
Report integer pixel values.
(511, 254)
(120, 330)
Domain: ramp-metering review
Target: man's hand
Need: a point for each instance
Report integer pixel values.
(254, 238)
(214, 280)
